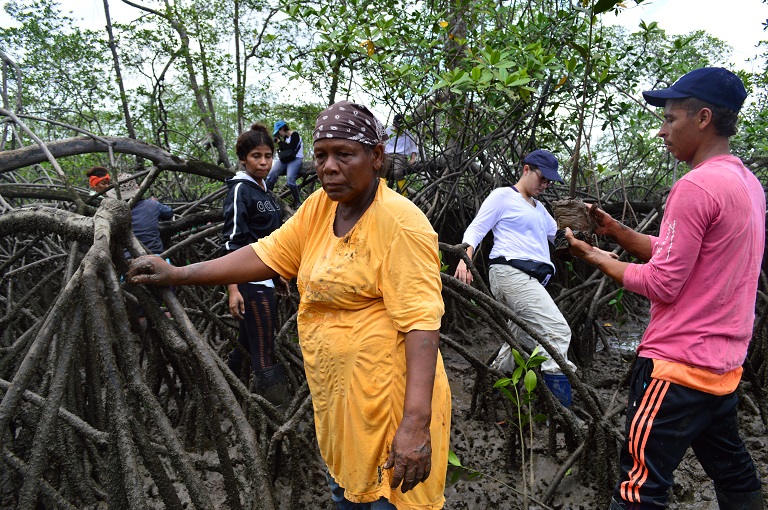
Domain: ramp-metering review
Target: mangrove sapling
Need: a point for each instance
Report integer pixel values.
(472, 473)
(616, 302)
(522, 402)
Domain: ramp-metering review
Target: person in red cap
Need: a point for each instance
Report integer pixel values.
(520, 266)
(700, 275)
(98, 179)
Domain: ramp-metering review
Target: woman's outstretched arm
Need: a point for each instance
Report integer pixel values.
(239, 266)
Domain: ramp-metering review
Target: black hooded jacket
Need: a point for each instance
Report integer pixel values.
(250, 213)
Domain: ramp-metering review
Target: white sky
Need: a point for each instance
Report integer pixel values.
(737, 22)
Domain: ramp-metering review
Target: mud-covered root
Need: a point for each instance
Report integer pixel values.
(573, 213)
(102, 405)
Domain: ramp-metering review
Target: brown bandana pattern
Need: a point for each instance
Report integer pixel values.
(349, 121)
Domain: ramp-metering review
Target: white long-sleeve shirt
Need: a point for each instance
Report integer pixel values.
(520, 230)
(400, 143)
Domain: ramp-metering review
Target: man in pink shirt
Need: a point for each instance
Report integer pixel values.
(700, 275)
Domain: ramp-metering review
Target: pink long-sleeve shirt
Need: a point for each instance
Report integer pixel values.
(702, 276)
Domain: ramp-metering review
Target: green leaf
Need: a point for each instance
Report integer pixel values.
(473, 475)
(502, 382)
(570, 64)
(509, 395)
(453, 459)
(518, 358)
(580, 49)
(517, 374)
(530, 381)
(517, 83)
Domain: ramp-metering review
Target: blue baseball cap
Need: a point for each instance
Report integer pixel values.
(546, 162)
(278, 126)
(711, 84)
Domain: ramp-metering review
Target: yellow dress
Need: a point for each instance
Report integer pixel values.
(359, 294)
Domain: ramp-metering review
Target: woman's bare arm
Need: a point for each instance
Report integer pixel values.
(239, 266)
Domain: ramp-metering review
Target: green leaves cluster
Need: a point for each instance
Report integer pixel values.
(508, 386)
(481, 82)
(494, 69)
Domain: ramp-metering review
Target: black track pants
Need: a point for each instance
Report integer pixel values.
(663, 420)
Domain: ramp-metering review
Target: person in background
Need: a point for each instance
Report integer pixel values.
(98, 179)
(290, 157)
(146, 214)
(402, 151)
(368, 318)
(520, 266)
(701, 276)
(250, 213)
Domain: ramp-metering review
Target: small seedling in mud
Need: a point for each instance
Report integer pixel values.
(453, 460)
(616, 302)
(522, 402)
(618, 307)
(471, 473)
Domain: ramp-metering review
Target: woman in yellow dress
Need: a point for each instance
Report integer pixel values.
(368, 272)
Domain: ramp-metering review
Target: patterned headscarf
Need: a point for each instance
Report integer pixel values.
(348, 121)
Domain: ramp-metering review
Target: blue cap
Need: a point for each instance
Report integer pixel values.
(711, 84)
(278, 126)
(546, 162)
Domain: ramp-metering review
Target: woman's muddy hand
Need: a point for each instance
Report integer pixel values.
(151, 270)
(410, 456)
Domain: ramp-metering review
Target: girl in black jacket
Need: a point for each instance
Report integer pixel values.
(251, 212)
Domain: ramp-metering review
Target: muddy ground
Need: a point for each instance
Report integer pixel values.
(479, 444)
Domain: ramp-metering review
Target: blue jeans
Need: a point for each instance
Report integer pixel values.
(291, 170)
(337, 494)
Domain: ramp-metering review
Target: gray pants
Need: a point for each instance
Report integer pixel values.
(530, 301)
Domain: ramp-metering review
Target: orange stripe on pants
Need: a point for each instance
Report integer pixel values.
(642, 423)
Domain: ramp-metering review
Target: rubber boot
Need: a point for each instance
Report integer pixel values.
(401, 187)
(739, 500)
(271, 384)
(295, 194)
(560, 387)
